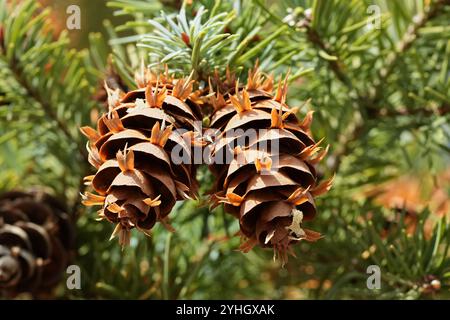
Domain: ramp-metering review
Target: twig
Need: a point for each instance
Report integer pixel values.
(166, 269)
(440, 111)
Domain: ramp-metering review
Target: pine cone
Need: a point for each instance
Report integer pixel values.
(137, 180)
(270, 190)
(36, 243)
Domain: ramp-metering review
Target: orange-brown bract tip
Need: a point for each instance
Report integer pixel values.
(93, 156)
(306, 123)
(87, 181)
(248, 245)
(232, 199)
(257, 80)
(254, 77)
(141, 76)
(324, 187)
(310, 150)
(125, 159)
(195, 139)
(319, 157)
(153, 202)
(160, 135)
(312, 236)
(183, 87)
(114, 96)
(167, 225)
(124, 234)
(90, 133)
(241, 102)
(215, 98)
(263, 164)
(276, 118)
(154, 95)
(281, 93)
(115, 208)
(90, 199)
(230, 77)
(113, 122)
(299, 196)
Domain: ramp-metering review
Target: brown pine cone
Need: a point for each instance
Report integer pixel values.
(136, 148)
(270, 183)
(36, 243)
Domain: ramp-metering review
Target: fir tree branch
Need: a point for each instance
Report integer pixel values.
(345, 143)
(49, 111)
(336, 65)
(46, 107)
(407, 41)
(48, 87)
(313, 37)
(370, 106)
(377, 113)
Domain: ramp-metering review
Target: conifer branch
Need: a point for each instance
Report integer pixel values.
(336, 64)
(46, 107)
(370, 106)
(411, 35)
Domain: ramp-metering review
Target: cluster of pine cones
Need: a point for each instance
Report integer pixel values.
(144, 145)
(145, 149)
